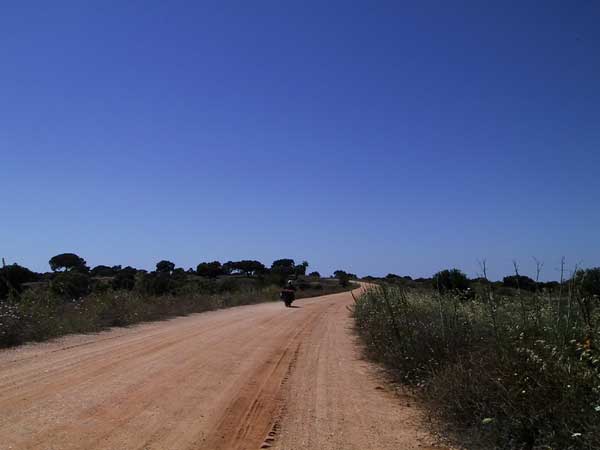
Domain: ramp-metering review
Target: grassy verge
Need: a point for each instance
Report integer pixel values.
(518, 373)
(38, 315)
(326, 288)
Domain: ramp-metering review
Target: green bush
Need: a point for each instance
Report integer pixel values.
(165, 266)
(519, 282)
(209, 269)
(104, 271)
(74, 302)
(125, 278)
(40, 314)
(343, 277)
(70, 285)
(450, 280)
(517, 374)
(282, 270)
(589, 281)
(12, 278)
(156, 283)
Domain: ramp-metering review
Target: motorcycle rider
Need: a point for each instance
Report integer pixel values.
(288, 293)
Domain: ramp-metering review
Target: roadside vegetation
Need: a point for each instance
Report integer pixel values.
(72, 298)
(510, 365)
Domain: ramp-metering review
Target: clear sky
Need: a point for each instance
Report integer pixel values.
(371, 136)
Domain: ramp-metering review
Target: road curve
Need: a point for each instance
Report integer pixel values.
(243, 378)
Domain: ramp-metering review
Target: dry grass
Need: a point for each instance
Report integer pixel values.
(37, 314)
(518, 373)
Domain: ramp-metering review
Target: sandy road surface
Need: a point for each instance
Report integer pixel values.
(232, 379)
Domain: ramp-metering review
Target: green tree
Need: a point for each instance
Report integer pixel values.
(228, 267)
(300, 269)
(67, 261)
(315, 274)
(70, 285)
(210, 269)
(284, 266)
(343, 277)
(179, 274)
(589, 281)
(450, 280)
(103, 271)
(282, 269)
(250, 267)
(165, 266)
(155, 283)
(246, 267)
(519, 282)
(125, 279)
(12, 278)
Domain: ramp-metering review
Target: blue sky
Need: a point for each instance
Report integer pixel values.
(377, 137)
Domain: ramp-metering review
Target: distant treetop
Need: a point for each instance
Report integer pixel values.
(67, 261)
(165, 266)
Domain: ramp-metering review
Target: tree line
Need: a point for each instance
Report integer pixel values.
(71, 277)
(455, 280)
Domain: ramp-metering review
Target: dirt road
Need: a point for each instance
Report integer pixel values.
(243, 378)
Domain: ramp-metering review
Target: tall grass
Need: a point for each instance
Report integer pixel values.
(516, 373)
(38, 314)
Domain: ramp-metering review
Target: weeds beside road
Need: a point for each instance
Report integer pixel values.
(516, 373)
(38, 315)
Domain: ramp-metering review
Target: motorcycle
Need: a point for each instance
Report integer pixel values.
(288, 296)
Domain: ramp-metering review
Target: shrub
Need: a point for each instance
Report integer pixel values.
(589, 281)
(103, 271)
(519, 282)
(125, 279)
(343, 277)
(12, 278)
(450, 280)
(300, 269)
(70, 285)
(40, 314)
(165, 266)
(209, 269)
(156, 283)
(517, 374)
(282, 269)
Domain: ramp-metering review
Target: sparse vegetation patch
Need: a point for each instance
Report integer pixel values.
(517, 371)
